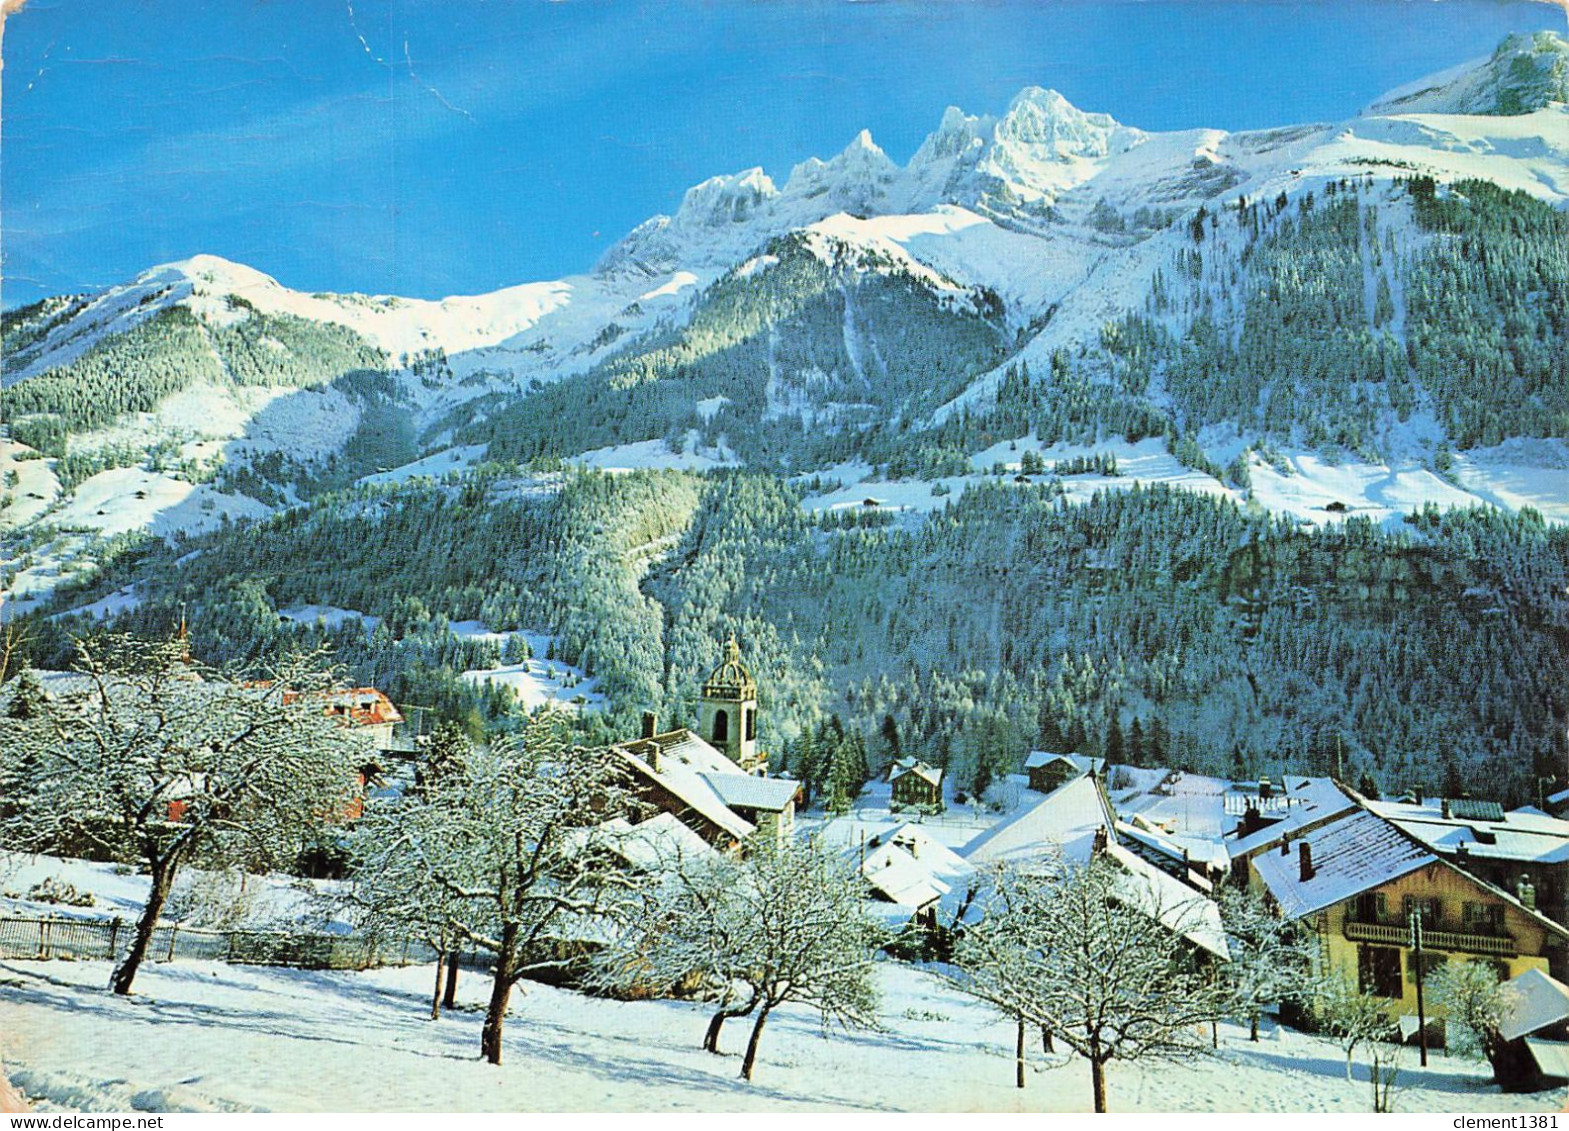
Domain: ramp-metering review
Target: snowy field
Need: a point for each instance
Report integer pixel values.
(534, 681)
(201, 1036)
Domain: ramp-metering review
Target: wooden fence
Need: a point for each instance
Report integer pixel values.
(60, 938)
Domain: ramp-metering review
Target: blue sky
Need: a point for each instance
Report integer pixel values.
(431, 147)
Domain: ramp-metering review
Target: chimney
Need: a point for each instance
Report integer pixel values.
(650, 724)
(1419, 795)
(1305, 855)
(1101, 841)
(1285, 845)
(1526, 891)
(1251, 820)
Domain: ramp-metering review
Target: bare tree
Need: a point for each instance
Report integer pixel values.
(509, 853)
(1361, 1020)
(1095, 957)
(392, 899)
(1272, 958)
(143, 755)
(785, 923)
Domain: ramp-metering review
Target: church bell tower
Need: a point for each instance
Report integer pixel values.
(728, 718)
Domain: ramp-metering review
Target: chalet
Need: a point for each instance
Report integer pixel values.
(1359, 881)
(1073, 825)
(1048, 771)
(915, 785)
(1524, 851)
(363, 707)
(912, 872)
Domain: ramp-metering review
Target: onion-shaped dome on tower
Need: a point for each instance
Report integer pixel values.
(730, 680)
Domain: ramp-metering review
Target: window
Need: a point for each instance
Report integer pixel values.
(751, 724)
(1483, 918)
(1431, 964)
(1370, 907)
(1425, 904)
(1378, 971)
(721, 726)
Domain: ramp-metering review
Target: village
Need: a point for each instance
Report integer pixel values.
(1410, 930)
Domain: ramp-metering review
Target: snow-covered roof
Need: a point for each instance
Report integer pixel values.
(1351, 855)
(936, 857)
(1166, 854)
(1165, 898)
(901, 878)
(1526, 836)
(752, 792)
(1535, 1001)
(680, 780)
(1182, 803)
(1080, 762)
(1552, 1057)
(1301, 804)
(932, 774)
(660, 842)
(1062, 823)
(685, 748)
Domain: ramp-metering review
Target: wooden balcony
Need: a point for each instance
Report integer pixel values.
(1399, 934)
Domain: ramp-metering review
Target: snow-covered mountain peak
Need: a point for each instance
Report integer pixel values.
(1052, 127)
(957, 134)
(1524, 73)
(726, 199)
(856, 180)
(209, 272)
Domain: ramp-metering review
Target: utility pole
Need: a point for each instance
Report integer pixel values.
(1421, 1008)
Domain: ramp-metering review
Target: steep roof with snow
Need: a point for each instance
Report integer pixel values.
(1063, 823)
(936, 857)
(1165, 898)
(1081, 762)
(677, 763)
(1535, 1001)
(660, 842)
(901, 878)
(1351, 855)
(931, 774)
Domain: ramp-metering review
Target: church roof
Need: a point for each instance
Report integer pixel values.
(730, 680)
(750, 792)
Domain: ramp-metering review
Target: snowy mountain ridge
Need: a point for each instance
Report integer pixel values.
(1014, 167)
(1047, 221)
(1525, 73)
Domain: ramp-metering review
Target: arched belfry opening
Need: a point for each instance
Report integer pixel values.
(729, 709)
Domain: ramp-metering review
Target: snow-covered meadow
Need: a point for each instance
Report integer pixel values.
(202, 1036)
